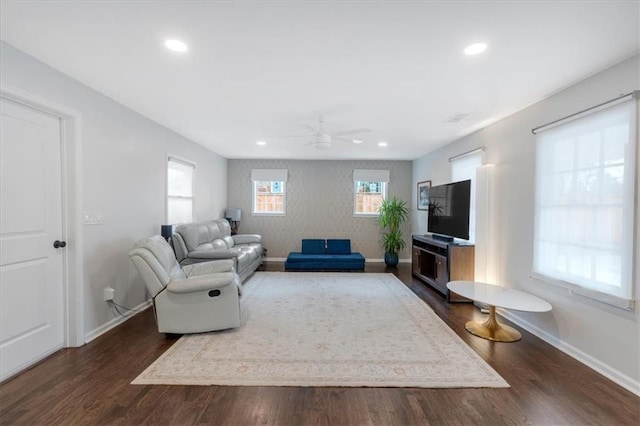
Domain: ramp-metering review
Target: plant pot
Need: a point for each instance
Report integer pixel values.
(391, 259)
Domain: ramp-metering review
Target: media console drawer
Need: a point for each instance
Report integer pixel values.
(437, 262)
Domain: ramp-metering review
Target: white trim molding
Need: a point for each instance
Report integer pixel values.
(616, 376)
(113, 323)
(71, 124)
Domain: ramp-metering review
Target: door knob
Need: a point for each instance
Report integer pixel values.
(59, 244)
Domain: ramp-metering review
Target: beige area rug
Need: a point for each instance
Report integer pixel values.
(326, 329)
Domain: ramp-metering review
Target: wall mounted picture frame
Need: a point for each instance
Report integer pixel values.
(423, 195)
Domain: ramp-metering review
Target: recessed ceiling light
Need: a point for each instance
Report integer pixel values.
(261, 143)
(382, 143)
(176, 45)
(356, 141)
(475, 48)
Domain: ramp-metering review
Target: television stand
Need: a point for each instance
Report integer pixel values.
(436, 262)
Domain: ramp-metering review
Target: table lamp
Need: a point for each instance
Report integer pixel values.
(166, 231)
(233, 215)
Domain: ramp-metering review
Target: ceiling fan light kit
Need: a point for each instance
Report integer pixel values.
(322, 139)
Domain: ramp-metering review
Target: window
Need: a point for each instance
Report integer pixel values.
(369, 196)
(180, 175)
(370, 189)
(269, 188)
(268, 197)
(584, 209)
(464, 167)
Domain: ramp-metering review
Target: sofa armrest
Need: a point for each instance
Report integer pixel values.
(204, 268)
(246, 238)
(201, 282)
(179, 247)
(213, 254)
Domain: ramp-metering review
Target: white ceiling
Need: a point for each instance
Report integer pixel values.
(258, 70)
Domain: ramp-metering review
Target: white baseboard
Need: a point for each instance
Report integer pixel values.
(621, 379)
(95, 333)
(275, 259)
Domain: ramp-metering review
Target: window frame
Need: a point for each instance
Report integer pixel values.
(168, 197)
(356, 186)
(254, 198)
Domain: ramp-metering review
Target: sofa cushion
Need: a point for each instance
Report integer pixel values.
(247, 239)
(223, 227)
(213, 230)
(229, 241)
(194, 234)
(310, 246)
(303, 257)
(338, 246)
(327, 262)
(218, 244)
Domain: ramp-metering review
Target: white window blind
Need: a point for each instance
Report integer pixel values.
(180, 175)
(463, 168)
(269, 175)
(584, 208)
(362, 175)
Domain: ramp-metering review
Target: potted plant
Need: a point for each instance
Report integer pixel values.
(392, 214)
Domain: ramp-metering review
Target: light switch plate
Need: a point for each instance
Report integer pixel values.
(92, 218)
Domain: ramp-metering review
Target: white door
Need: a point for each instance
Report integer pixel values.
(31, 269)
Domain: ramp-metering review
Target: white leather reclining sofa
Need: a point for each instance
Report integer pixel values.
(212, 240)
(194, 299)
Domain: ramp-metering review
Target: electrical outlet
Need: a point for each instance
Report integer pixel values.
(109, 293)
(92, 218)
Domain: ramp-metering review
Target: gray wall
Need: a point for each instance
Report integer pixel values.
(319, 204)
(123, 177)
(604, 337)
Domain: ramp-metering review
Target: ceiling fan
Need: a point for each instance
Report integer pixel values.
(321, 139)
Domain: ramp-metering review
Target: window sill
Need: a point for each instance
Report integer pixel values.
(574, 289)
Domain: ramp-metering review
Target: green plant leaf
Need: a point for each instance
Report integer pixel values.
(392, 214)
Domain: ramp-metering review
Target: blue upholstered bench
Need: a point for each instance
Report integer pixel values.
(318, 255)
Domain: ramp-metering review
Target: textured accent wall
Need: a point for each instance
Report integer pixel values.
(319, 203)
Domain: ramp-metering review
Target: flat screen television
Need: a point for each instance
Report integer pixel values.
(449, 210)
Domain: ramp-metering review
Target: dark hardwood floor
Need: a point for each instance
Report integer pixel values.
(90, 385)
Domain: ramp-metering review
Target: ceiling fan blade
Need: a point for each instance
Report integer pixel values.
(310, 128)
(350, 140)
(351, 132)
(291, 136)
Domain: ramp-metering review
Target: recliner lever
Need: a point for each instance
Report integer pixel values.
(214, 293)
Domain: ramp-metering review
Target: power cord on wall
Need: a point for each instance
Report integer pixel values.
(115, 308)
